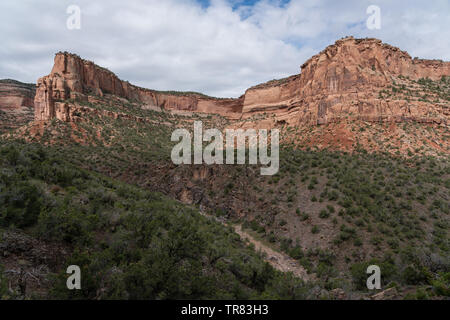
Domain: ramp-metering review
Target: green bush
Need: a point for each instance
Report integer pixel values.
(20, 205)
(296, 252)
(441, 285)
(66, 224)
(414, 275)
(324, 214)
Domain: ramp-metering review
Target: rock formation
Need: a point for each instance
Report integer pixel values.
(75, 78)
(342, 81)
(16, 103)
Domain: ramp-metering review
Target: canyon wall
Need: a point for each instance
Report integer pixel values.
(15, 94)
(75, 78)
(16, 103)
(342, 81)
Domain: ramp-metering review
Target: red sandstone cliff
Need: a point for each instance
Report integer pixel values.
(75, 78)
(342, 81)
(16, 103)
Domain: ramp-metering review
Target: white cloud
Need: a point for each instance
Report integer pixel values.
(180, 45)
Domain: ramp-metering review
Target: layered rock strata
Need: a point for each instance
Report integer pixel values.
(343, 81)
(16, 103)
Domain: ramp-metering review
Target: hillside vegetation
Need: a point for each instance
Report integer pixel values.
(130, 243)
(335, 212)
(103, 193)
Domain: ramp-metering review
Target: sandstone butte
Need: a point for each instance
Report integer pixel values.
(341, 82)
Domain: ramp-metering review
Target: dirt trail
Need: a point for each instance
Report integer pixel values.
(278, 260)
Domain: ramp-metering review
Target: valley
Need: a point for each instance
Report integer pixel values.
(363, 179)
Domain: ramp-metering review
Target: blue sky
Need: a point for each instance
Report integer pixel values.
(219, 47)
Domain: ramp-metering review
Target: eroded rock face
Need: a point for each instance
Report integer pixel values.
(75, 78)
(343, 81)
(16, 103)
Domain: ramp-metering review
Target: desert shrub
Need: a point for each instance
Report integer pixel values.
(441, 285)
(296, 252)
(415, 275)
(20, 205)
(66, 224)
(324, 214)
(287, 287)
(304, 216)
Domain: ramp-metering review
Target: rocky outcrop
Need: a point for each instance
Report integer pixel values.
(75, 78)
(343, 81)
(16, 103)
(15, 94)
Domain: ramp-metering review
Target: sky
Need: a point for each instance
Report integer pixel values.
(217, 47)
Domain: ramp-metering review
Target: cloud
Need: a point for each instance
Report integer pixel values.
(218, 47)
